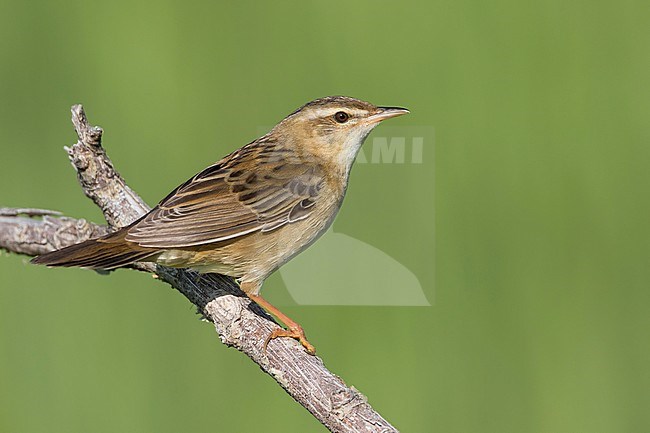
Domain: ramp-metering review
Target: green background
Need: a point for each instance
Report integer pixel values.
(533, 199)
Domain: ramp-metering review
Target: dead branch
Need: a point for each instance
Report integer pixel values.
(239, 323)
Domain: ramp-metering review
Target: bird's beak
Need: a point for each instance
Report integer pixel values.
(384, 113)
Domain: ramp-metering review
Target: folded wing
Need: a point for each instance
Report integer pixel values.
(233, 198)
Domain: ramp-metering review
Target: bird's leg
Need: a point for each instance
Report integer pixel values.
(293, 330)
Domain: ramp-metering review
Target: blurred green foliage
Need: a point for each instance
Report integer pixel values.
(534, 201)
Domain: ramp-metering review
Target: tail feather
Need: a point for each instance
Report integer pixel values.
(104, 253)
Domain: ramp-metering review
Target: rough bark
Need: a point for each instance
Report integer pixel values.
(239, 322)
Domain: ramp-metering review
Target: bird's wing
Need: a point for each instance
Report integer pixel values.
(253, 189)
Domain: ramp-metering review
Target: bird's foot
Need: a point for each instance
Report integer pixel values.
(295, 332)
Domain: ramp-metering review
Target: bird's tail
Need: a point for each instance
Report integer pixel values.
(109, 252)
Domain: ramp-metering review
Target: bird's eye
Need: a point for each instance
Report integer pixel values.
(341, 116)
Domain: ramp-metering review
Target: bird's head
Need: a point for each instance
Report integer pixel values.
(333, 128)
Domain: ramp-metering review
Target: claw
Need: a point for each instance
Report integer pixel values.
(295, 333)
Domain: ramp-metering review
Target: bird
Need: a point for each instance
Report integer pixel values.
(252, 211)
